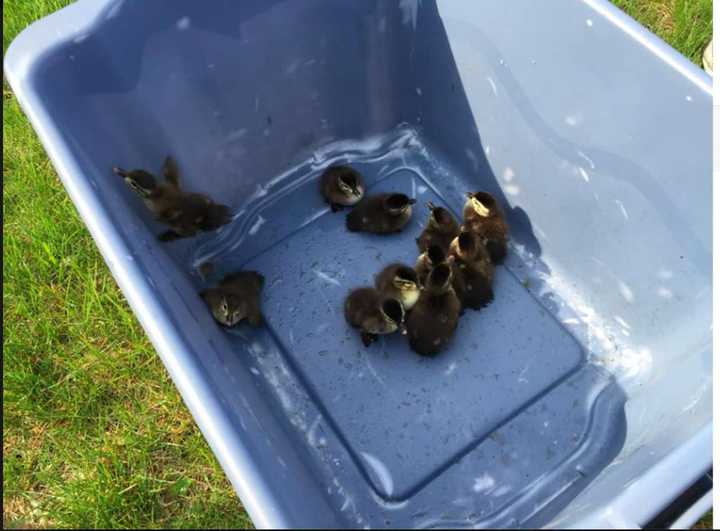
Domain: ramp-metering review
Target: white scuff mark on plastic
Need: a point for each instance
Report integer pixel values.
(572, 120)
(422, 189)
(255, 371)
(622, 322)
(621, 206)
(256, 226)
(512, 189)
(688, 98)
(473, 158)
(571, 321)
(501, 491)
(508, 174)
(236, 135)
(381, 472)
(625, 291)
(450, 369)
(521, 376)
(584, 174)
(665, 293)
(418, 90)
(487, 150)
(312, 433)
(114, 10)
(587, 159)
(81, 38)
(409, 10)
(492, 85)
(413, 193)
(183, 23)
(310, 62)
(589, 22)
(484, 483)
(257, 103)
(327, 278)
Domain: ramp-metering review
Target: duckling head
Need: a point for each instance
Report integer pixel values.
(406, 282)
(481, 202)
(350, 186)
(228, 310)
(142, 182)
(439, 216)
(468, 245)
(397, 204)
(393, 314)
(435, 254)
(439, 279)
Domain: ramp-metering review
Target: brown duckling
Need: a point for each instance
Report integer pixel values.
(341, 186)
(441, 229)
(483, 215)
(381, 214)
(399, 282)
(434, 255)
(186, 213)
(373, 314)
(434, 319)
(237, 297)
(474, 269)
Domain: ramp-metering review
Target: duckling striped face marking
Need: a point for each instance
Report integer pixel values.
(349, 186)
(479, 207)
(405, 281)
(140, 181)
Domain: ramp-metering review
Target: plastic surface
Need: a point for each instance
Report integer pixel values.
(585, 384)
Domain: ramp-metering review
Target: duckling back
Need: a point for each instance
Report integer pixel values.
(380, 214)
(492, 227)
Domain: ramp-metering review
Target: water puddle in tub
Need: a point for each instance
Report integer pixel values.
(503, 418)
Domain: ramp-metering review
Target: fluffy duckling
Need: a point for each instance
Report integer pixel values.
(237, 297)
(435, 317)
(373, 314)
(341, 186)
(441, 229)
(474, 269)
(381, 214)
(399, 282)
(483, 215)
(434, 255)
(186, 213)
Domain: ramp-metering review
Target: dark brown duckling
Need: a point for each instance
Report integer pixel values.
(186, 213)
(399, 282)
(483, 215)
(434, 255)
(237, 297)
(341, 186)
(373, 314)
(381, 214)
(434, 319)
(441, 229)
(474, 268)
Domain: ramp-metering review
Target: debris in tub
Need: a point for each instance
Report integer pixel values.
(441, 229)
(434, 319)
(483, 215)
(341, 186)
(236, 298)
(186, 213)
(399, 281)
(373, 314)
(381, 214)
(475, 269)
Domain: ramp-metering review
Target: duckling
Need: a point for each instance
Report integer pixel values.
(483, 215)
(399, 282)
(441, 229)
(186, 213)
(474, 269)
(237, 297)
(373, 314)
(434, 255)
(381, 214)
(341, 186)
(434, 319)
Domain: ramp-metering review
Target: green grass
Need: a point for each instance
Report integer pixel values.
(94, 432)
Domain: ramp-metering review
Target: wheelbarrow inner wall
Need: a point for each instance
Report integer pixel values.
(593, 362)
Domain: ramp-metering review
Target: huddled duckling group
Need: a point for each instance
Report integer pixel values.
(454, 270)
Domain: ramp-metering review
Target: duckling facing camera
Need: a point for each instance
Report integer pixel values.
(399, 282)
(440, 230)
(381, 214)
(483, 215)
(373, 314)
(434, 319)
(341, 186)
(186, 213)
(474, 270)
(236, 298)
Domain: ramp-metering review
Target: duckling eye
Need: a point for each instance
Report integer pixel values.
(224, 307)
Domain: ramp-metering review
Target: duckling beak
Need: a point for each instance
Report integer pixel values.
(469, 195)
(119, 171)
(430, 205)
(412, 201)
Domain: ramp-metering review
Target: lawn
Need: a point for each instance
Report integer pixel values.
(94, 432)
